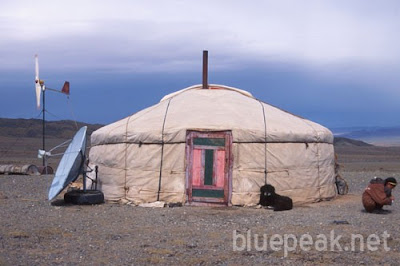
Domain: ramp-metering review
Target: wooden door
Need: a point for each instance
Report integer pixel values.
(209, 164)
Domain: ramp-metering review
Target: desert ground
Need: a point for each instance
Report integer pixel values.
(34, 231)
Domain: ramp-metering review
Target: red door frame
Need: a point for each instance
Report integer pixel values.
(227, 188)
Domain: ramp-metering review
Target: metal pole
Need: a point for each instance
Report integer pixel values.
(44, 127)
(96, 169)
(205, 69)
(83, 172)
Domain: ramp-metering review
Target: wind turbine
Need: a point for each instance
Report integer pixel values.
(39, 88)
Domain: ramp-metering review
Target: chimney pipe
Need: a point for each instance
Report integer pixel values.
(205, 69)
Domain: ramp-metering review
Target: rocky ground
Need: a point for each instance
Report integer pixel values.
(34, 231)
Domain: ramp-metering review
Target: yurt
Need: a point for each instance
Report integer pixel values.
(213, 146)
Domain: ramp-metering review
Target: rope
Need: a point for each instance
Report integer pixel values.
(61, 145)
(72, 113)
(265, 143)
(5, 152)
(126, 154)
(162, 149)
(56, 116)
(318, 142)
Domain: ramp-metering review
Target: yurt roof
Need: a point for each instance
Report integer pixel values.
(218, 108)
(211, 87)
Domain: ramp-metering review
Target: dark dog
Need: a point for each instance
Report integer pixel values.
(269, 198)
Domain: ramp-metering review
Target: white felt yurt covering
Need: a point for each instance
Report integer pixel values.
(141, 158)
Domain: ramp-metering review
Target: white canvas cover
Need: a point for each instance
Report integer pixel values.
(297, 154)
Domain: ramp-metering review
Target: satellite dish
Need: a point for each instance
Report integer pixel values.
(72, 164)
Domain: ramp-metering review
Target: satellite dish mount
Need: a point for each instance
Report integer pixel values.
(72, 165)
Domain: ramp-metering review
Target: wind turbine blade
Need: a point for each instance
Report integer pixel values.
(38, 88)
(38, 91)
(36, 68)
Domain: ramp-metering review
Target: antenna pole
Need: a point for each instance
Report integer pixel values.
(205, 69)
(44, 126)
(96, 169)
(84, 170)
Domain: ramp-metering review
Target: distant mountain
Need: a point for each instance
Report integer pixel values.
(65, 129)
(340, 142)
(386, 136)
(361, 132)
(32, 128)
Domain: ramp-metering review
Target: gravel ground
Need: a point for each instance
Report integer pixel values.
(34, 231)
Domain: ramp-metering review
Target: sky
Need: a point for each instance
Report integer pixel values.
(334, 62)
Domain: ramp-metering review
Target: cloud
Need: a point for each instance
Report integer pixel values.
(172, 34)
(314, 51)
